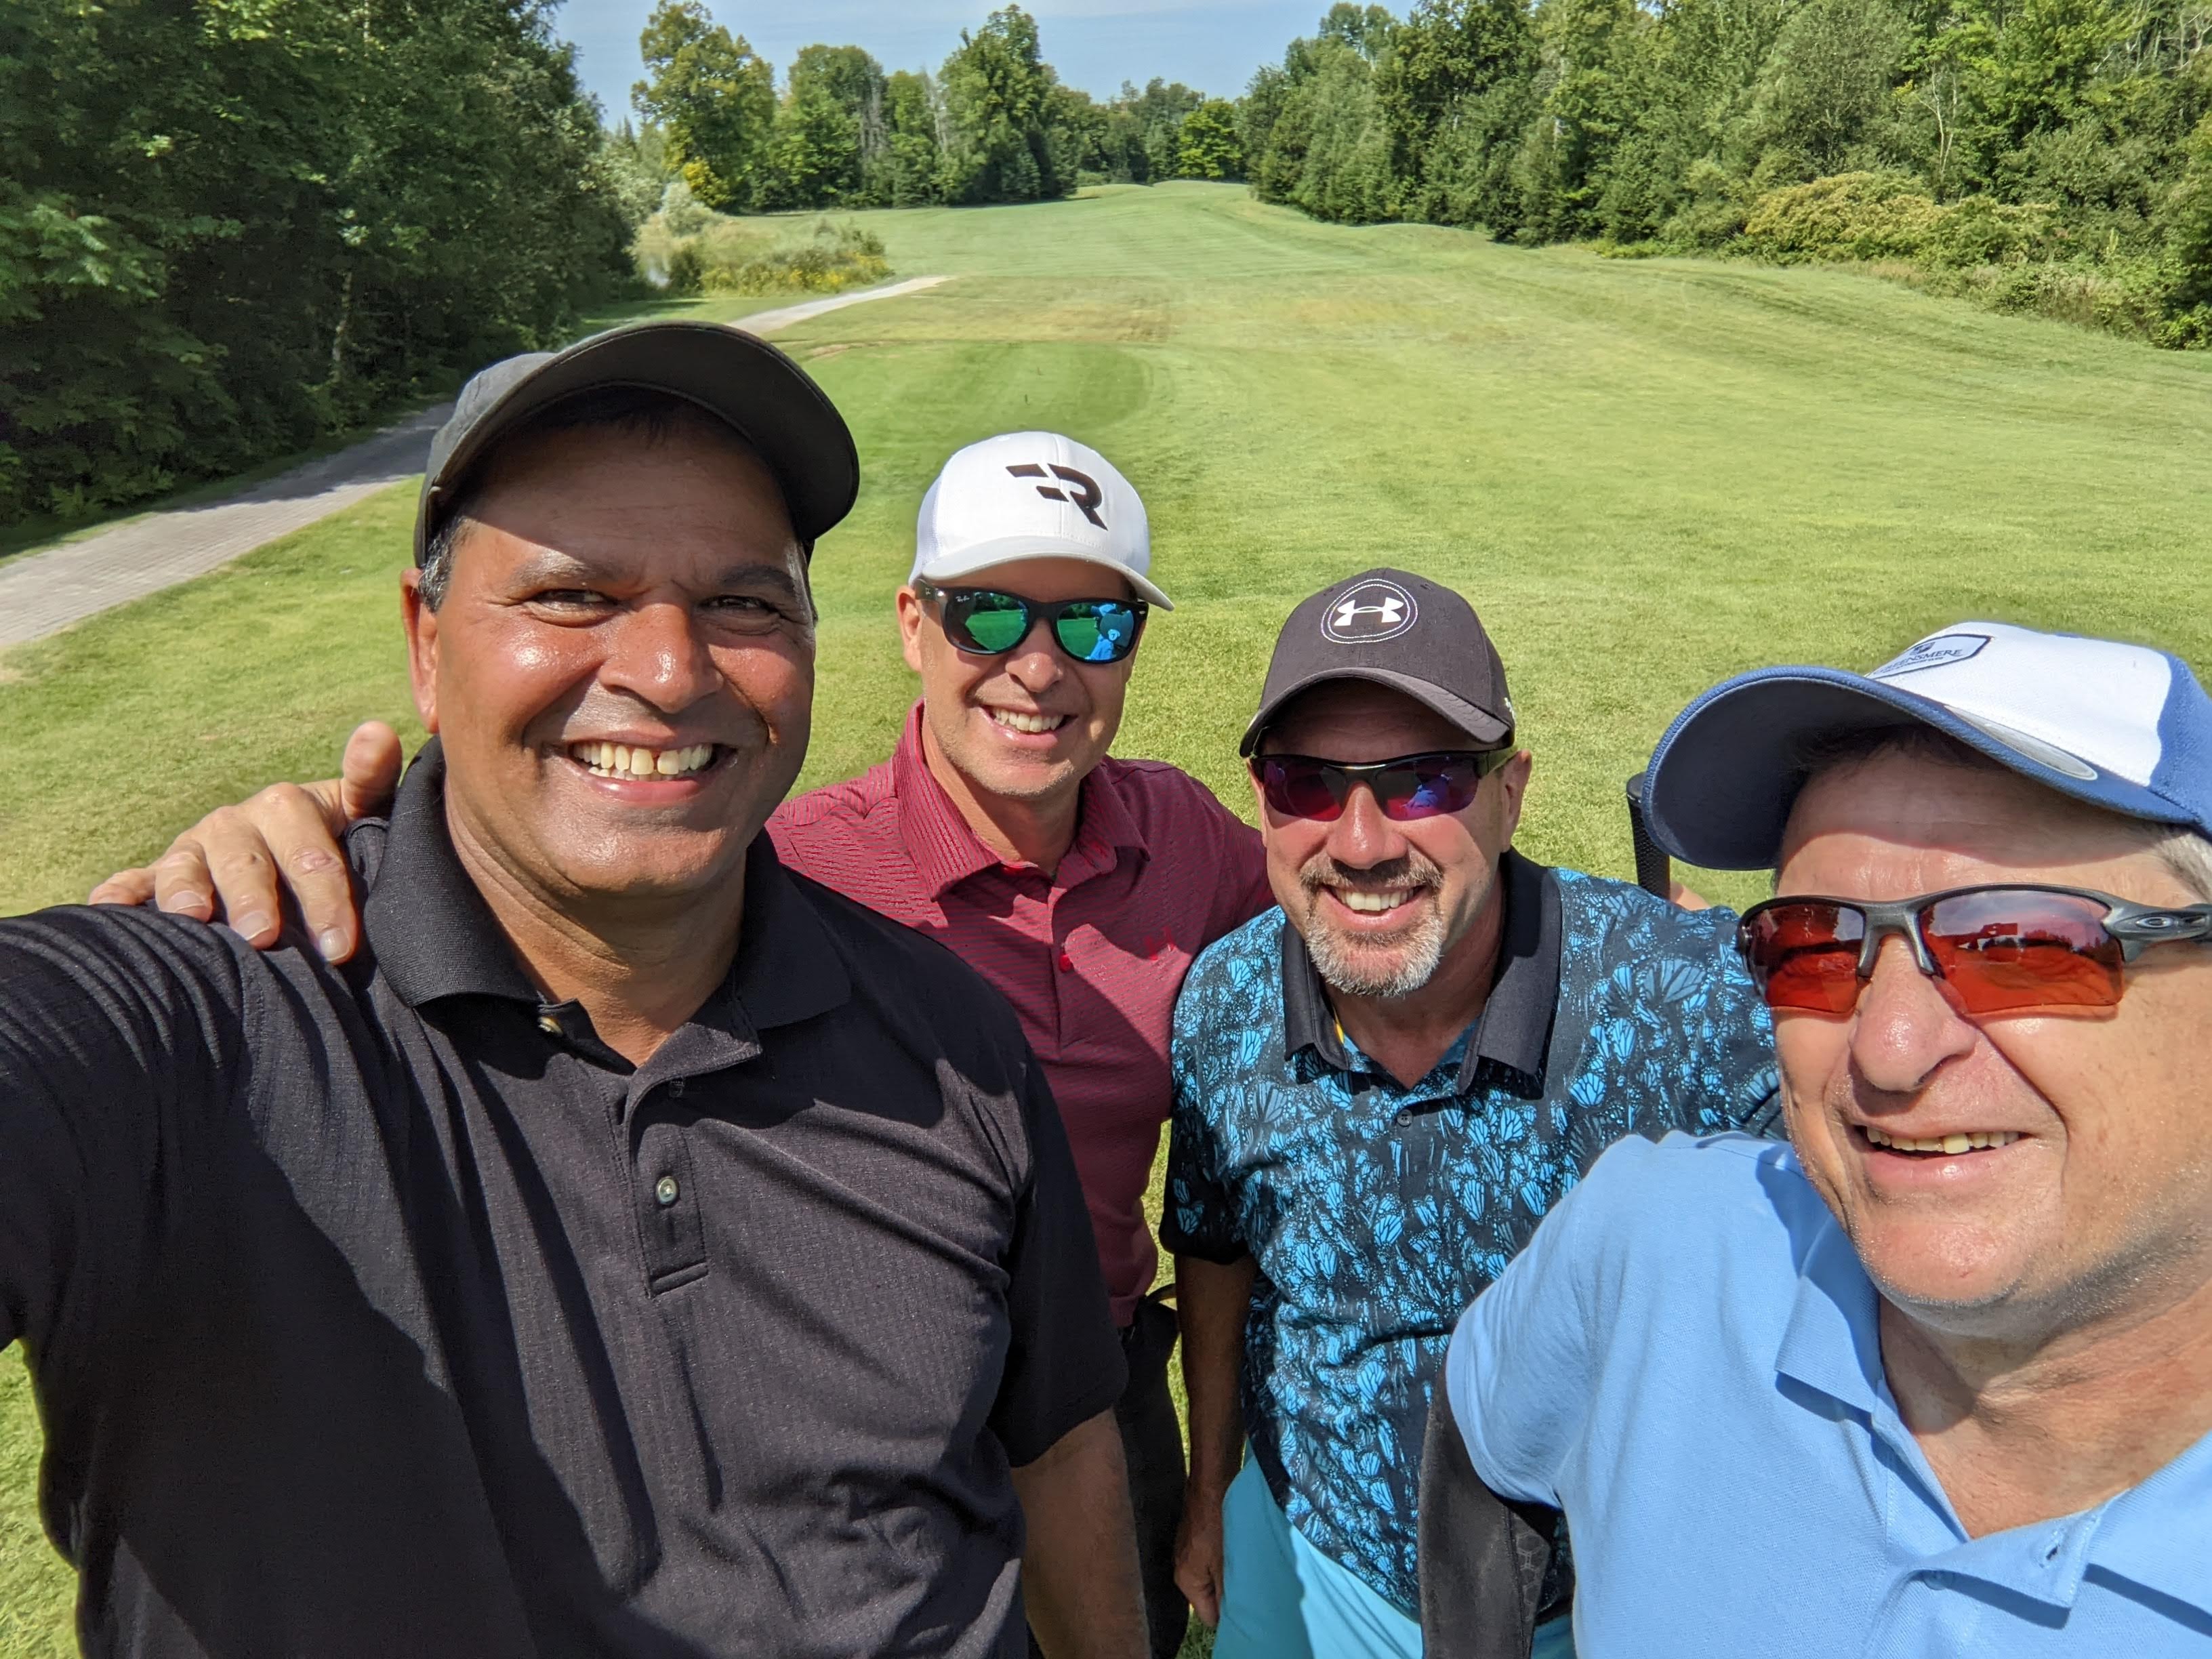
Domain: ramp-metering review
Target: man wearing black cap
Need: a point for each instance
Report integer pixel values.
(1381, 1087)
(636, 1248)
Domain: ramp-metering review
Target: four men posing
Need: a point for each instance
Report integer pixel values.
(1378, 1091)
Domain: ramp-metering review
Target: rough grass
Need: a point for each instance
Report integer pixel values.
(1647, 475)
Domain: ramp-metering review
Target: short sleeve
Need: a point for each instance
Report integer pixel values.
(1734, 1038)
(117, 1028)
(1198, 1216)
(1064, 1361)
(1520, 1369)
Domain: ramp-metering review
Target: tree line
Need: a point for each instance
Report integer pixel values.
(2049, 155)
(994, 123)
(230, 227)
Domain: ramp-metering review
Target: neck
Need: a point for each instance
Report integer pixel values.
(2024, 1431)
(1408, 1036)
(1033, 830)
(641, 969)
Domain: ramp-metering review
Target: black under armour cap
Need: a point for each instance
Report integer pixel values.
(738, 378)
(1395, 628)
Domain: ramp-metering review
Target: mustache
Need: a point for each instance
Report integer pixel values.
(1414, 873)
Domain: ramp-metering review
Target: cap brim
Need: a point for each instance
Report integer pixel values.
(1480, 724)
(738, 378)
(1723, 778)
(1018, 549)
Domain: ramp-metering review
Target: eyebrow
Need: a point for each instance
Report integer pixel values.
(551, 565)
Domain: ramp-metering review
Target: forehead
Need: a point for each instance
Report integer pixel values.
(693, 491)
(1899, 824)
(1359, 720)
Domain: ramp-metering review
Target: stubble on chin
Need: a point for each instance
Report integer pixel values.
(1359, 966)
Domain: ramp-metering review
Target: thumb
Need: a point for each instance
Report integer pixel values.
(369, 774)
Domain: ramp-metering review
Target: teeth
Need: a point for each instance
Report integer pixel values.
(615, 759)
(1034, 723)
(1950, 1145)
(1372, 903)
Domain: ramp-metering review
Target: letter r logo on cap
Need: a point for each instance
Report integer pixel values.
(1087, 494)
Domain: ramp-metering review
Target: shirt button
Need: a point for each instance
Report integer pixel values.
(1066, 962)
(550, 1025)
(1403, 1119)
(665, 1192)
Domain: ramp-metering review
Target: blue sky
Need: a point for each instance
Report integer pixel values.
(1095, 44)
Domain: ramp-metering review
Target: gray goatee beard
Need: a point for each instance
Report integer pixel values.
(1355, 966)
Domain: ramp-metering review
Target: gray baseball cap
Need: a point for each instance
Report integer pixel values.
(738, 378)
(1391, 627)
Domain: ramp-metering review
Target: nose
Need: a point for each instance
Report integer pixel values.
(1036, 663)
(1906, 1026)
(658, 654)
(1362, 836)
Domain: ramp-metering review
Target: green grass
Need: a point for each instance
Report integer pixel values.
(1647, 475)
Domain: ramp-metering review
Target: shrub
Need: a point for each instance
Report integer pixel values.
(687, 248)
(1847, 215)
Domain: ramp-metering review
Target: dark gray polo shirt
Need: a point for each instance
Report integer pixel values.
(383, 1311)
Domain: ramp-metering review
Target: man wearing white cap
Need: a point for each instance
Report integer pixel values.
(1942, 1368)
(1080, 886)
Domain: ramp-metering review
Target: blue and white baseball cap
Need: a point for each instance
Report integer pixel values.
(2121, 727)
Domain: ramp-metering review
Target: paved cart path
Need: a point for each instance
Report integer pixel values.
(43, 593)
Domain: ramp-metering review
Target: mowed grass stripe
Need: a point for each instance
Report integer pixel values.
(1647, 475)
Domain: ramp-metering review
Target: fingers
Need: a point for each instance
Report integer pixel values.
(1198, 1574)
(369, 774)
(126, 887)
(281, 841)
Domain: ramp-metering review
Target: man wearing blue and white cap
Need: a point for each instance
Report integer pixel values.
(1939, 1374)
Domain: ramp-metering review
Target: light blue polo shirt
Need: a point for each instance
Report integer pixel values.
(1685, 1359)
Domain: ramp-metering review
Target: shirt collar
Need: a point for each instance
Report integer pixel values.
(1833, 1339)
(434, 936)
(432, 933)
(1516, 1026)
(944, 852)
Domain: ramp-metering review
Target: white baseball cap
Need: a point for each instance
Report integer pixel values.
(1032, 495)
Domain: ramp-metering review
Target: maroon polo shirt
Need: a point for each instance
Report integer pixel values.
(1091, 956)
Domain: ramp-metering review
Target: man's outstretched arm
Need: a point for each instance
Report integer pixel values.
(236, 864)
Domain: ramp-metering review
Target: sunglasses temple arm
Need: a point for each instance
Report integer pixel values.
(2138, 927)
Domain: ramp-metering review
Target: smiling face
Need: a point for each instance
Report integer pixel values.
(1381, 904)
(621, 667)
(1032, 723)
(2105, 1186)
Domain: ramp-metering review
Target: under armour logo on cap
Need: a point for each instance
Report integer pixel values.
(1376, 610)
(1087, 494)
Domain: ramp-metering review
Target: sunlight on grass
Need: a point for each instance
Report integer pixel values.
(1646, 475)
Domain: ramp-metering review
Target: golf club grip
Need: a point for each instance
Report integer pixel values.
(1653, 870)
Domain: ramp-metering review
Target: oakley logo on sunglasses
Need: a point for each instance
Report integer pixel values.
(1087, 494)
(1371, 611)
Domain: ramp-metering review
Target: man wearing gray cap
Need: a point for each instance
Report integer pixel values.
(1078, 884)
(636, 1248)
(1381, 1088)
(1939, 1370)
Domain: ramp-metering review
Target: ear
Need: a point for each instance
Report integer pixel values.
(1512, 782)
(912, 619)
(422, 625)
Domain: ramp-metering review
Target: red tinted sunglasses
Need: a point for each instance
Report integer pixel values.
(1407, 787)
(1996, 950)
